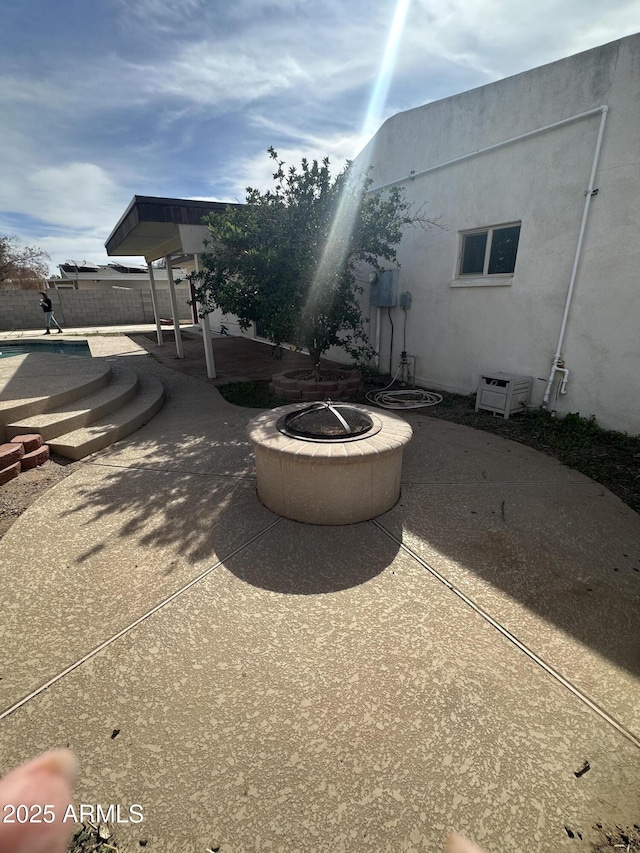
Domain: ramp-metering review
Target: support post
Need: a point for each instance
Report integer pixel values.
(206, 334)
(174, 308)
(154, 303)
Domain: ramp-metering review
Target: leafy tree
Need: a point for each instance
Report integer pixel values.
(22, 267)
(289, 258)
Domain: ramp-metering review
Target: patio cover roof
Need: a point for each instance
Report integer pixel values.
(154, 227)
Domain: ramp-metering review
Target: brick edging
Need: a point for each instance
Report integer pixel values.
(36, 454)
(290, 388)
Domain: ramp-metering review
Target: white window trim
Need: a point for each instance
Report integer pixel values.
(502, 280)
(484, 279)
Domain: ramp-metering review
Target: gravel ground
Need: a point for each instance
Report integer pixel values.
(18, 494)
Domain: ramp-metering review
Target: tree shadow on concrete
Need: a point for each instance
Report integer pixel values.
(180, 494)
(193, 516)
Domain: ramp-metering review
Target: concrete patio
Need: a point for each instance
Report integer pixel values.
(258, 684)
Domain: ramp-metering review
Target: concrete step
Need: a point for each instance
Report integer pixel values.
(35, 382)
(81, 442)
(80, 413)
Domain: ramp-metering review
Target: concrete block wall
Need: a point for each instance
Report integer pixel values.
(20, 309)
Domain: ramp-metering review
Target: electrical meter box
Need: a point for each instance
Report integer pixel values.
(504, 393)
(384, 290)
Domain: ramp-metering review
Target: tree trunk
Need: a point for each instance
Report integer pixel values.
(315, 360)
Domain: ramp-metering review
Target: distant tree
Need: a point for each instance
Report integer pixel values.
(22, 267)
(289, 258)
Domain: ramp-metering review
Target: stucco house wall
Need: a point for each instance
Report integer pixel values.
(458, 328)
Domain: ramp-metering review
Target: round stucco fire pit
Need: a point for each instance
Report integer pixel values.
(328, 463)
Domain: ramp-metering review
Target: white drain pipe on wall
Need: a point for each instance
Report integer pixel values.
(557, 365)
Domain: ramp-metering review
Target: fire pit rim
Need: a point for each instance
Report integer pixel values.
(394, 433)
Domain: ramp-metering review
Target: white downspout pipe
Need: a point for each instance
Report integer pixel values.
(557, 364)
(154, 302)
(206, 334)
(174, 308)
(377, 344)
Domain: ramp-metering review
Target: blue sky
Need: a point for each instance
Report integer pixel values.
(102, 100)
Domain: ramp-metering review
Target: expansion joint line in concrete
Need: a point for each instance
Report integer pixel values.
(135, 623)
(513, 639)
(491, 483)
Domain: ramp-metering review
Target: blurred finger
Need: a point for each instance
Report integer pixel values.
(459, 844)
(45, 781)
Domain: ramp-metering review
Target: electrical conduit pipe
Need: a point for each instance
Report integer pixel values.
(557, 365)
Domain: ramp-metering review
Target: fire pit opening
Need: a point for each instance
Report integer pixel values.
(327, 422)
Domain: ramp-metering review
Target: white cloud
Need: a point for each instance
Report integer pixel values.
(209, 75)
(311, 56)
(173, 85)
(150, 16)
(257, 169)
(337, 145)
(75, 195)
(497, 38)
(68, 210)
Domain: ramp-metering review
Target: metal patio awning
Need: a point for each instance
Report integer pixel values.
(155, 228)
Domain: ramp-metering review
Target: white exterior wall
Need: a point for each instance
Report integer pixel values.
(231, 324)
(459, 332)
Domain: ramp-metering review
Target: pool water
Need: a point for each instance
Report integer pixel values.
(9, 348)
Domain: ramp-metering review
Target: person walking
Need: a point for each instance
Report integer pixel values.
(47, 307)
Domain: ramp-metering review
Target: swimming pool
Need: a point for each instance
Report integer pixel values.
(9, 348)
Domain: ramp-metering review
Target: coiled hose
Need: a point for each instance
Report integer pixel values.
(411, 398)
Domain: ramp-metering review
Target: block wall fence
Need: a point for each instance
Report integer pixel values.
(20, 309)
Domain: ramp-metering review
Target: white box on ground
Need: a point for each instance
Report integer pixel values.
(504, 393)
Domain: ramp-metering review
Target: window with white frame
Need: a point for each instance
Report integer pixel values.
(489, 251)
